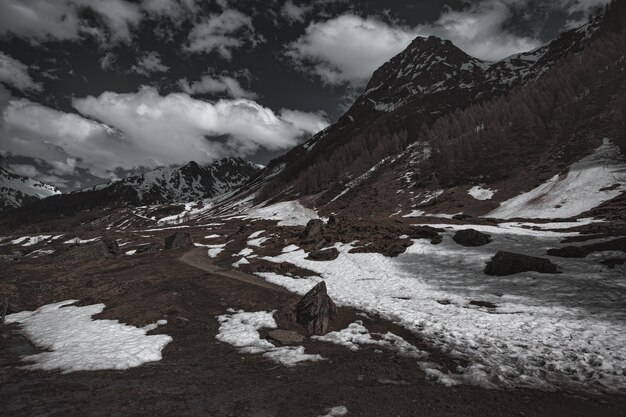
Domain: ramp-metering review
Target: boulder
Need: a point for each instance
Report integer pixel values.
(313, 231)
(471, 237)
(509, 263)
(179, 240)
(316, 310)
(91, 251)
(323, 255)
(286, 337)
(112, 246)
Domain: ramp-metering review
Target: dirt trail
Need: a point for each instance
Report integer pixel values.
(198, 258)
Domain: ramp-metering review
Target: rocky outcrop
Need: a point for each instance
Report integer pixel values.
(509, 263)
(471, 237)
(316, 310)
(92, 251)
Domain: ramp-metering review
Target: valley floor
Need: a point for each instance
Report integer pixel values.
(200, 375)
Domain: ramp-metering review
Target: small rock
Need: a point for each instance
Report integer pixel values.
(509, 263)
(316, 310)
(425, 232)
(569, 252)
(323, 255)
(286, 337)
(483, 304)
(471, 237)
(179, 240)
(612, 262)
(112, 246)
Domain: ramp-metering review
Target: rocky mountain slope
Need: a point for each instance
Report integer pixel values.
(17, 190)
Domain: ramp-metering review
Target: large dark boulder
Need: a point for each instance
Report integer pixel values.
(471, 237)
(313, 231)
(509, 263)
(179, 240)
(112, 246)
(91, 251)
(323, 255)
(316, 310)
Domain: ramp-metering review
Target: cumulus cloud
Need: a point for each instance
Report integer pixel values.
(348, 48)
(221, 84)
(148, 63)
(145, 129)
(222, 33)
(15, 74)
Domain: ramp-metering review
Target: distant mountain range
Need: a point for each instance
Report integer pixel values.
(17, 190)
(190, 182)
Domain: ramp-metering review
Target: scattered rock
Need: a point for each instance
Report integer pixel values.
(286, 337)
(316, 310)
(313, 231)
(509, 263)
(425, 232)
(569, 252)
(471, 237)
(323, 255)
(91, 251)
(391, 248)
(179, 240)
(612, 262)
(483, 304)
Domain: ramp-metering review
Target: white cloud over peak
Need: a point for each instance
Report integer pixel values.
(147, 129)
(348, 48)
(15, 73)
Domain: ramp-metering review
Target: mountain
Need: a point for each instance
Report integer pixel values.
(434, 121)
(190, 182)
(429, 79)
(17, 190)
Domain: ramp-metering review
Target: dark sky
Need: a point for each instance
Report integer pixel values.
(94, 89)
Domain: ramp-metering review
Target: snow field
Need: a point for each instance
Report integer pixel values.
(548, 331)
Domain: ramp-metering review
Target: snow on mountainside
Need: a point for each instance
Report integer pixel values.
(590, 182)
(15, 190)
(187, 183)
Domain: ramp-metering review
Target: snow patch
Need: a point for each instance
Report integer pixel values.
(480, 193)
(288, 213)
(76, 342)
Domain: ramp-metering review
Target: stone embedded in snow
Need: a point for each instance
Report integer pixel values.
(480, 193)
(508, 263)
(179, 240)
(324, 255)
(589, 182)
(316, 310)
(286, 337)
(471, 237)
(76, 342)
(313, 231)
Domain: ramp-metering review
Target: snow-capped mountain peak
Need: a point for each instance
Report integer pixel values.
(16, 190)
